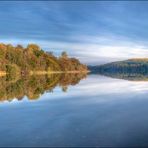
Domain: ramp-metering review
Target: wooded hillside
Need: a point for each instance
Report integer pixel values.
(32, 58)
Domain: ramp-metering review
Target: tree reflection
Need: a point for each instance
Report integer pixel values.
(131, 76)
(33, 86)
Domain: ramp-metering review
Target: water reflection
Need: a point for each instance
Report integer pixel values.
(114, 110)
(33, 86)
(126, 75)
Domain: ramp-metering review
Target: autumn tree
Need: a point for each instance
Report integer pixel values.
(33, 58)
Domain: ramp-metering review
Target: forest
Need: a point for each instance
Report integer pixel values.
(132, 69)
(135, 66)
(19, 60)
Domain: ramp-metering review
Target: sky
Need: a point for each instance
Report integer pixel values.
(96, 32)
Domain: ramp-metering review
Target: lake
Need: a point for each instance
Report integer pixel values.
(97, 111)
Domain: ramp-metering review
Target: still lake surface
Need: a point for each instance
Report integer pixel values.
(99, 111)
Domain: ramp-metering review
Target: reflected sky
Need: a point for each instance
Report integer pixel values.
(98, 116)
(96, 85)
(98, 31)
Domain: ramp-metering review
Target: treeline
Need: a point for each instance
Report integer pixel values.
(34, 86)
(135, 66)
(33, 58)
(132, 69)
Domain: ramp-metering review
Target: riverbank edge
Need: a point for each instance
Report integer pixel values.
(3, 73)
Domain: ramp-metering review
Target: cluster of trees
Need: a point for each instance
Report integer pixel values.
(33, 58)
(34, 86)
(70, 64)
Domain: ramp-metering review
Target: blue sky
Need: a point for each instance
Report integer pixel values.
(96, 32)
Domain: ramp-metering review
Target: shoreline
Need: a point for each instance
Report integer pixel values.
(3, 73)
(55, 72)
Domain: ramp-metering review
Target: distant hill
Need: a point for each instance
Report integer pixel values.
(132, 69)
(137, 65)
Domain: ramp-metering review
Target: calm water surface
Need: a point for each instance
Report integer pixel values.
(99, 111)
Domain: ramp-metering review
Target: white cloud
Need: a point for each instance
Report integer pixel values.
(91, 50)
